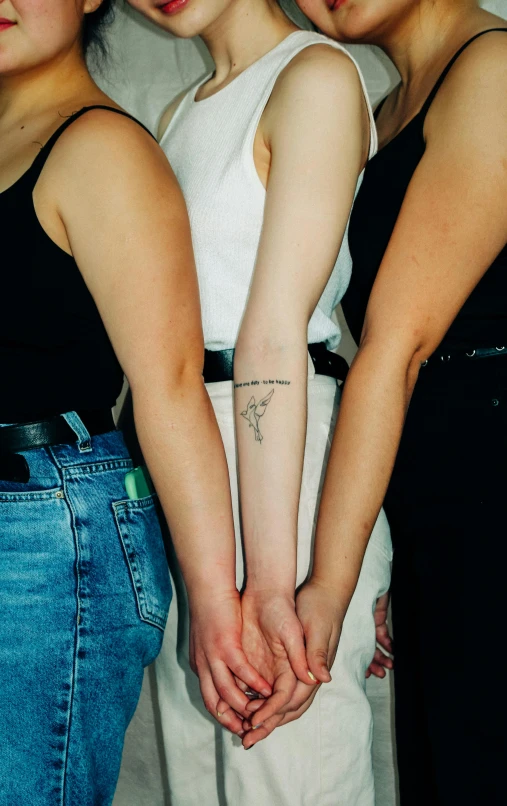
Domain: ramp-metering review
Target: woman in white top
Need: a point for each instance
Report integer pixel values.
(268, 152)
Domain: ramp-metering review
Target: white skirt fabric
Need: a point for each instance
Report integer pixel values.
(325, 757)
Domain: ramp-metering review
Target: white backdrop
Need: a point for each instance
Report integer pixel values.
(147, 69)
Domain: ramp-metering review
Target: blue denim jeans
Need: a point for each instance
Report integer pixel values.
(84, 598)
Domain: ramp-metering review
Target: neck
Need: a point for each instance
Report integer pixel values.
(52, 84)
(416, 42)
(244, 33)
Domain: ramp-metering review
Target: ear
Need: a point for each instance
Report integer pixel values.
(91, 5)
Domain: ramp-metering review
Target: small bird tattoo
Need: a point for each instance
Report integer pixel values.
(254, 411)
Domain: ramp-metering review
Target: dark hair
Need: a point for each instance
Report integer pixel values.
(93, 29)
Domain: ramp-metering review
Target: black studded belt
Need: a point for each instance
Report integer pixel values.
(445, 356)
(219, 365)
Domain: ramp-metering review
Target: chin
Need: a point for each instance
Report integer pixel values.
(354, 21)
(189, 22)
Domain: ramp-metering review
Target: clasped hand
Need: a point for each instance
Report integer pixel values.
(261, 658)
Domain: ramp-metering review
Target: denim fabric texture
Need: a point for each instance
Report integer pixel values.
(84, 598)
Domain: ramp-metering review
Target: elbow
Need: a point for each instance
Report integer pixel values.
(401, 357)
(173, 379)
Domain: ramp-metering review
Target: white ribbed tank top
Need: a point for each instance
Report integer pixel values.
(209, 144)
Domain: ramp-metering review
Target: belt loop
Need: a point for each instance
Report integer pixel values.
(84, 442)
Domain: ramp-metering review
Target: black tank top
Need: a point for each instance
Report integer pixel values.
(55, 354)
(482, 321)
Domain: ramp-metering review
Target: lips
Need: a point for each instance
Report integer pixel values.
(173, 6)
(6, 24)
(333, 5)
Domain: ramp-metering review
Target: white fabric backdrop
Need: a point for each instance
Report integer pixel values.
(147, 69)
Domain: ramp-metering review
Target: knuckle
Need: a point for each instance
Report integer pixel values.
(223, 690)
(320, 654)
(241, 670)
(210, 707)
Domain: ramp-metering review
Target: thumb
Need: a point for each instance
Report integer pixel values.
(318, 652)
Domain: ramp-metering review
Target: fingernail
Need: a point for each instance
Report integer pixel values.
(256, 727)
(312, 677)
(219, 714)
(249, 747)
(266, 692)
(241, 733)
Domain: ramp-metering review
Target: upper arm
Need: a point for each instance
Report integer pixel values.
(316, 127)
(168, 114)
(453, 222)
(128, 230)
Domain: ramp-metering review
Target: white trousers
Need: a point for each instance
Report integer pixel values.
(322, 759)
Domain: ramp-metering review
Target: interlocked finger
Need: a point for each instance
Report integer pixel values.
(217, 707)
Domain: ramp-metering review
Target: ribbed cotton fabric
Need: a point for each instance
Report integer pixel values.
(209, 144)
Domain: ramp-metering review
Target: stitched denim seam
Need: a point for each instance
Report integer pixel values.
(97, 467)
(76, 643)
(35, 495)
(151, 617)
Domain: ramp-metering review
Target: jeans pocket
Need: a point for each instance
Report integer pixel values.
(143, 546)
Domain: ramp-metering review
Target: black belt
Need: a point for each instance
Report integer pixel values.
(444, 356)
(219, 365)
(53, 431)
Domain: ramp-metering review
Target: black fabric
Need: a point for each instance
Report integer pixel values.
(55, 355)
(219, 364)
(446, 509)
(482, 322)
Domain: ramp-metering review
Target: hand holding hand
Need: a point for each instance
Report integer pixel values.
(320, 618)
(274, 643)
(217, 657)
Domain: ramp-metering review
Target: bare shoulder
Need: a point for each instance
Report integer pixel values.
(168, 114)
(316, 94)
(107, 160)
(102, 141)
(319, 69)
(474, 90)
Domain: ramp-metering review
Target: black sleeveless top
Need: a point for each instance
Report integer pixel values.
(55, 354)
(482, 321)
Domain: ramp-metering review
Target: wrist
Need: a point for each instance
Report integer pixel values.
(210, 592)
(336, 593)
(264, 591)
(271, 575)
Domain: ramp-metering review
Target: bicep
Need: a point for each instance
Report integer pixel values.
(450, 229)
(317, 149)
(129, 233)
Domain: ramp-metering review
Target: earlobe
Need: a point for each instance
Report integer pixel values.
(91, 5)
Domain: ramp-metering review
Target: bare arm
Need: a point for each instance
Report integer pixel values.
(316, 128)
(452, 225)
(128, 229)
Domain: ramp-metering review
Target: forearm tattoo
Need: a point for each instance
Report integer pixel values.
(256, 409)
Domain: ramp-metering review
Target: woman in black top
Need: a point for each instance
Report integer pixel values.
(428, 307)
(97, 278)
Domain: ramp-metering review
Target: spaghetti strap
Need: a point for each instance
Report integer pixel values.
(443, 76)
(38, 164)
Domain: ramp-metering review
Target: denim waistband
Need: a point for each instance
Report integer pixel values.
(104, 450)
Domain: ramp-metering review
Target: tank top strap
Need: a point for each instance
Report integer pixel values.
(447, 69)
(41, 158)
